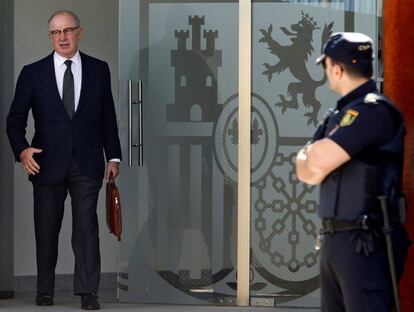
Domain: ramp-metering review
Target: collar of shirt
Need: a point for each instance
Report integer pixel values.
(361, 91)
(60, 60)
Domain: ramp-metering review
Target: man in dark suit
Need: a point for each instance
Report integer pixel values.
(70, 96)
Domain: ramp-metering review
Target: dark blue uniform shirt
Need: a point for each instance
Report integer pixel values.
(364, 127)
(373, 125)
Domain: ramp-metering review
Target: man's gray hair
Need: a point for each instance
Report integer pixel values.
(67, 12)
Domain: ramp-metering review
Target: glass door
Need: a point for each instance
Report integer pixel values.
(178, 101)
(289, 95)
(179, 123)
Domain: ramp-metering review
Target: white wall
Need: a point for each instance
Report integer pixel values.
(99, 19)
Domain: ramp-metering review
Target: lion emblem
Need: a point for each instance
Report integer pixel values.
(294, 58)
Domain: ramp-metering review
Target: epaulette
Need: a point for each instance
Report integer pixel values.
(374, 98)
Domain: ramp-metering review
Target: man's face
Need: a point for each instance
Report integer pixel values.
(65, 35)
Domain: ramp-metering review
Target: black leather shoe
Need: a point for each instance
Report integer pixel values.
(90, 302)
(44, 300)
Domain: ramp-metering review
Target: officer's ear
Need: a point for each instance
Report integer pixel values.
(338, 69)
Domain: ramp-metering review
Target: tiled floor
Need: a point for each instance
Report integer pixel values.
(65, 301)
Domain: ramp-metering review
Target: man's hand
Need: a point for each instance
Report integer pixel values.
(26, 159)
(112, 170)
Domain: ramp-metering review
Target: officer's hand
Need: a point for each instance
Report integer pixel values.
(112, 170)
(26, 159)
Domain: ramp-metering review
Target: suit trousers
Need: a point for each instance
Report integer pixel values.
(49, 205)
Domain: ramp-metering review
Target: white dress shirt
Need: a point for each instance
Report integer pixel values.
(76, 67)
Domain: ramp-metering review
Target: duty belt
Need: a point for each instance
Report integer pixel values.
(337, 225)
(362, 223)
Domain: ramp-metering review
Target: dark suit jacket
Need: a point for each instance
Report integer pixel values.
(92, 130)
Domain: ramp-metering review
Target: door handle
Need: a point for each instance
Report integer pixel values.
(140, 126)
(140, 143)
(129, 123)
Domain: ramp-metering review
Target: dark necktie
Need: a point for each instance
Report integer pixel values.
(68, 95)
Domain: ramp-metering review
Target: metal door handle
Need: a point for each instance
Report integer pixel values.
(141, 126)
(140, 143)
(129, 123)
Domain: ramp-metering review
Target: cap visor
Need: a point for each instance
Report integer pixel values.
(320, 59)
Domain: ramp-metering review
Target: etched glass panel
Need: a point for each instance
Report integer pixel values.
(289, 96)
(180, 207)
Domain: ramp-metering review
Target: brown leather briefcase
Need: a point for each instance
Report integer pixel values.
(113, 209)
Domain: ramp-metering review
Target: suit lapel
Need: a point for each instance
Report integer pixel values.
(49, 75)
(86, 70)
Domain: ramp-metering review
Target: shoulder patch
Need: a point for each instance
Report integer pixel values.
(348, 118)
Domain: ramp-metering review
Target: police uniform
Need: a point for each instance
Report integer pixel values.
(354, 267)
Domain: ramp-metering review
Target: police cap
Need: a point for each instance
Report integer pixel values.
(348, 47)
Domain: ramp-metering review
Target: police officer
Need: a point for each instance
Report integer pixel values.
(356, 156)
